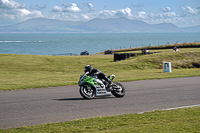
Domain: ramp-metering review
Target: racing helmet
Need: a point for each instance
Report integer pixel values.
(88, 68)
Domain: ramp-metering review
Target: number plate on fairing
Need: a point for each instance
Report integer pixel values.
(102, 92)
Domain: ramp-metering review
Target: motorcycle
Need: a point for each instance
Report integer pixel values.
(91, 86)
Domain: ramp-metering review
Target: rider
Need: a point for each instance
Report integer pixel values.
(100, 75)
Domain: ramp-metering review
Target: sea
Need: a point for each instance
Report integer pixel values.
(75, 43)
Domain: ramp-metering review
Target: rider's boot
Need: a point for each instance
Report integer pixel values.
(109, 85)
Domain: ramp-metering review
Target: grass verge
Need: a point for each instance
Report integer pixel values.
(34, 71)
(176, 121)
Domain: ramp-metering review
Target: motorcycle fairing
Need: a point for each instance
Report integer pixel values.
(99, 91)
(90, 80)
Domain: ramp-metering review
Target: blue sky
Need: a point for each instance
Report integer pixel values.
(183, 13)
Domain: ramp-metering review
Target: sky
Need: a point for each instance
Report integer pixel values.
(182, 13)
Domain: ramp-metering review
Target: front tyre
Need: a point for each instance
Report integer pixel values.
(118, 90)
(87, 92)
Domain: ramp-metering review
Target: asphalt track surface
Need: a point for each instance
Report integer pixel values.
(59, 104)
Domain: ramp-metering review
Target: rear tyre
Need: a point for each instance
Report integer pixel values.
(118, 90)
(87, 92)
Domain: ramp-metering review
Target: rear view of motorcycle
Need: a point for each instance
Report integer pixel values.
(91, 87)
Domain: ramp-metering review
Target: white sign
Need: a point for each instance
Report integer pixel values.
(167, 67)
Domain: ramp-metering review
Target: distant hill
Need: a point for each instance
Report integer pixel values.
(41, 25)
(117, 25)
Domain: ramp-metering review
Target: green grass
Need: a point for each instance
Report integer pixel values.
(34, 71)
(186, 120)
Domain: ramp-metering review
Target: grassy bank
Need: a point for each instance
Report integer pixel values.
(176, 121)
(160, 47)
(33, 71)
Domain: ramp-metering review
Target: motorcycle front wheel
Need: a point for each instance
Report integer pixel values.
(118, 90)
(87, 92)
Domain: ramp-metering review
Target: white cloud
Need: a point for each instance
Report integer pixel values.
(107, 14)
(167, 9)
(72, 7)
(24, 12)
(155, 18)
(169, 15)
(113, 14)
(89, 5)
(69, 12)
(142, 15)
(57, 9)
(124, 12)
(14, 12)
(146, 16)
(35, 14)
(189, 10)
(190, 15)
(9, 4)
(85, 17)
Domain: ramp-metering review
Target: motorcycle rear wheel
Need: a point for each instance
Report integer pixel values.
(87, 92)
(118, 90)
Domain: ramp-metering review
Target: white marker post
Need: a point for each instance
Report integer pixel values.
(167, 67)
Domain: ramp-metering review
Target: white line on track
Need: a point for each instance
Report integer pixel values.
(177, 108)
(182, 107)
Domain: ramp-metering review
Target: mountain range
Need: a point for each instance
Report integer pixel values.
(117, 25)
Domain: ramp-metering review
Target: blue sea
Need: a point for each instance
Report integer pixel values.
(65, 44)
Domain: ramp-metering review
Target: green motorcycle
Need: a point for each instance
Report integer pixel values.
(91, 87)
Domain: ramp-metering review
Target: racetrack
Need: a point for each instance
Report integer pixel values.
(58, 104)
